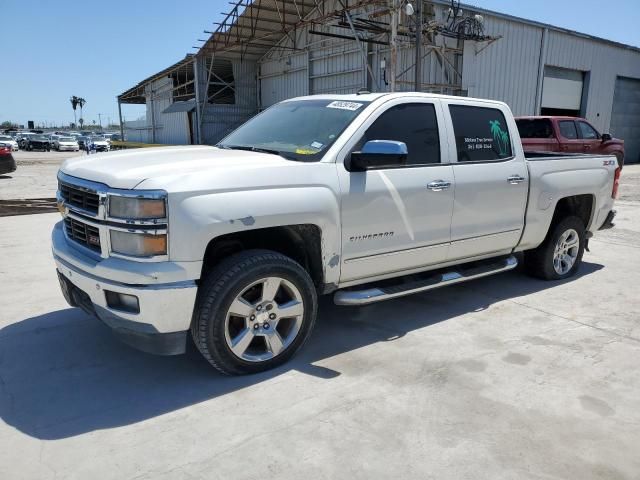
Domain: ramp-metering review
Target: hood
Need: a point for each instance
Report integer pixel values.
(128, 168)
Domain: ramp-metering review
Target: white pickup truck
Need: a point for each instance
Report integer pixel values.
(368, 197)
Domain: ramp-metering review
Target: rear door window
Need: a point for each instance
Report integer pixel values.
(587, 131)
(415, 124)
(535, 128)
(568, 129)
(481, 133)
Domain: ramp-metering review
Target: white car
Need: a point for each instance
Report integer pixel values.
(66, 144)
(366, 197)
(100, 144)
(7, 140)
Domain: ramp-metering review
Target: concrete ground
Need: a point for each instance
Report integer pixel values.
(35, 176)
(503, 378)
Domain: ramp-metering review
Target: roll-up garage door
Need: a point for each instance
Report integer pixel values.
(561, 91)
(625, 116)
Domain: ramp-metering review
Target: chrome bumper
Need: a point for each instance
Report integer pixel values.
(165, 309)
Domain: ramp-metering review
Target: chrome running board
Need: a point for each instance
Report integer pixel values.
(461, 273)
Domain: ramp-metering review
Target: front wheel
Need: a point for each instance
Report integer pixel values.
(560, 255)
(253, 312)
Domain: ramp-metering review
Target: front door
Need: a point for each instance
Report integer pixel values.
(398, 219)
(570, 141)
(491, 182)
(591, 142)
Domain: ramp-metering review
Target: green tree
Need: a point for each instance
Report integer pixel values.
(74, 105)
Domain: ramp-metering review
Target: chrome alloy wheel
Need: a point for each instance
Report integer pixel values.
(566, 251)
(264, 319)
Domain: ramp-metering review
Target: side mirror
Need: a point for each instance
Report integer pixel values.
(606, 137)
(376, 154)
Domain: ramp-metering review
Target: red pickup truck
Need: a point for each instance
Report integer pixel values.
(567, 134)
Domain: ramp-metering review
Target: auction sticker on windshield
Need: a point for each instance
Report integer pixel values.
(353, 106)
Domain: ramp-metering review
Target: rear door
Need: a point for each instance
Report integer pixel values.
(570, 141)
(537, 135)
(395, 219)
(491, 180)
(591, 142)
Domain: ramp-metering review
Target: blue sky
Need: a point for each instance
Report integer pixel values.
(54, 49)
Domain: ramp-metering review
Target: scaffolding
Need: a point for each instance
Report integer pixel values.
(387, 41)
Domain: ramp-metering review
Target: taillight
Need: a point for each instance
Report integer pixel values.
(5, 150)
(616, 183)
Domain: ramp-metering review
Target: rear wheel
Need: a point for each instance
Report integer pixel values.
(254, 311)
(560, 255)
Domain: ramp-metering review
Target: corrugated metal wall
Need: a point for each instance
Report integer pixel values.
(603, 61)
(507, 69)
(337, 66)
(283, 77)
(219, 119)
(170, 128)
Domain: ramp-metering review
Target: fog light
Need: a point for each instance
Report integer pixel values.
(122, 301)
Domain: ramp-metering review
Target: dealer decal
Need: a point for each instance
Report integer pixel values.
(352, 106)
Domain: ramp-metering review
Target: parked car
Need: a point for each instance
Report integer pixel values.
(567, 134)
(38, 142)
(66, 144)
(8, 140)
(7, 162)
(23, 138)
(101, 145)
(368, 197)
(82, 142)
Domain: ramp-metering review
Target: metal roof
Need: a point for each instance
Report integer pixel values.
(535, 23)
(253, 27)
(136, 94)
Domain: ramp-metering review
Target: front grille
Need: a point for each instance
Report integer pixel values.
(85, 235)
(77, 197)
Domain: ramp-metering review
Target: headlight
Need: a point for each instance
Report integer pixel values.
(138, 244)
(137, 208)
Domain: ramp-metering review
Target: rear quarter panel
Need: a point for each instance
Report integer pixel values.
(555, 178)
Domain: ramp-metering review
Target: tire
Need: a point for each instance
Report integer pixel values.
(241, 280)
(540, 261)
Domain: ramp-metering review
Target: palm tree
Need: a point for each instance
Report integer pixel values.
(499, 135)
(81, 102)
(74, 105)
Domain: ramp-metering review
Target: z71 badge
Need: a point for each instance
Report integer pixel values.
(606, 163)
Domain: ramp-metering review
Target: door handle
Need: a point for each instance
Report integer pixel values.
(438, 185)
(515, 179)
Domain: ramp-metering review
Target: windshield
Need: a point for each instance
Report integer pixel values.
(66, 139)
(299, 130)
(39, 137)
(3, 137)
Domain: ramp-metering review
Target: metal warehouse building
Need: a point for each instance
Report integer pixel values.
(269, 50)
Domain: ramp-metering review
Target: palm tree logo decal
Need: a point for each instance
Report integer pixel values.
(500, 136)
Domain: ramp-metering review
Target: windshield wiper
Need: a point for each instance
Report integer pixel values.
(255, 149)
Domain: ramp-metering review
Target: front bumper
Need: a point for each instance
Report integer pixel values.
(68, 148)
(165, 309)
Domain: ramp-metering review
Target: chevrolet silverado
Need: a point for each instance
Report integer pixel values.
(367, 197)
